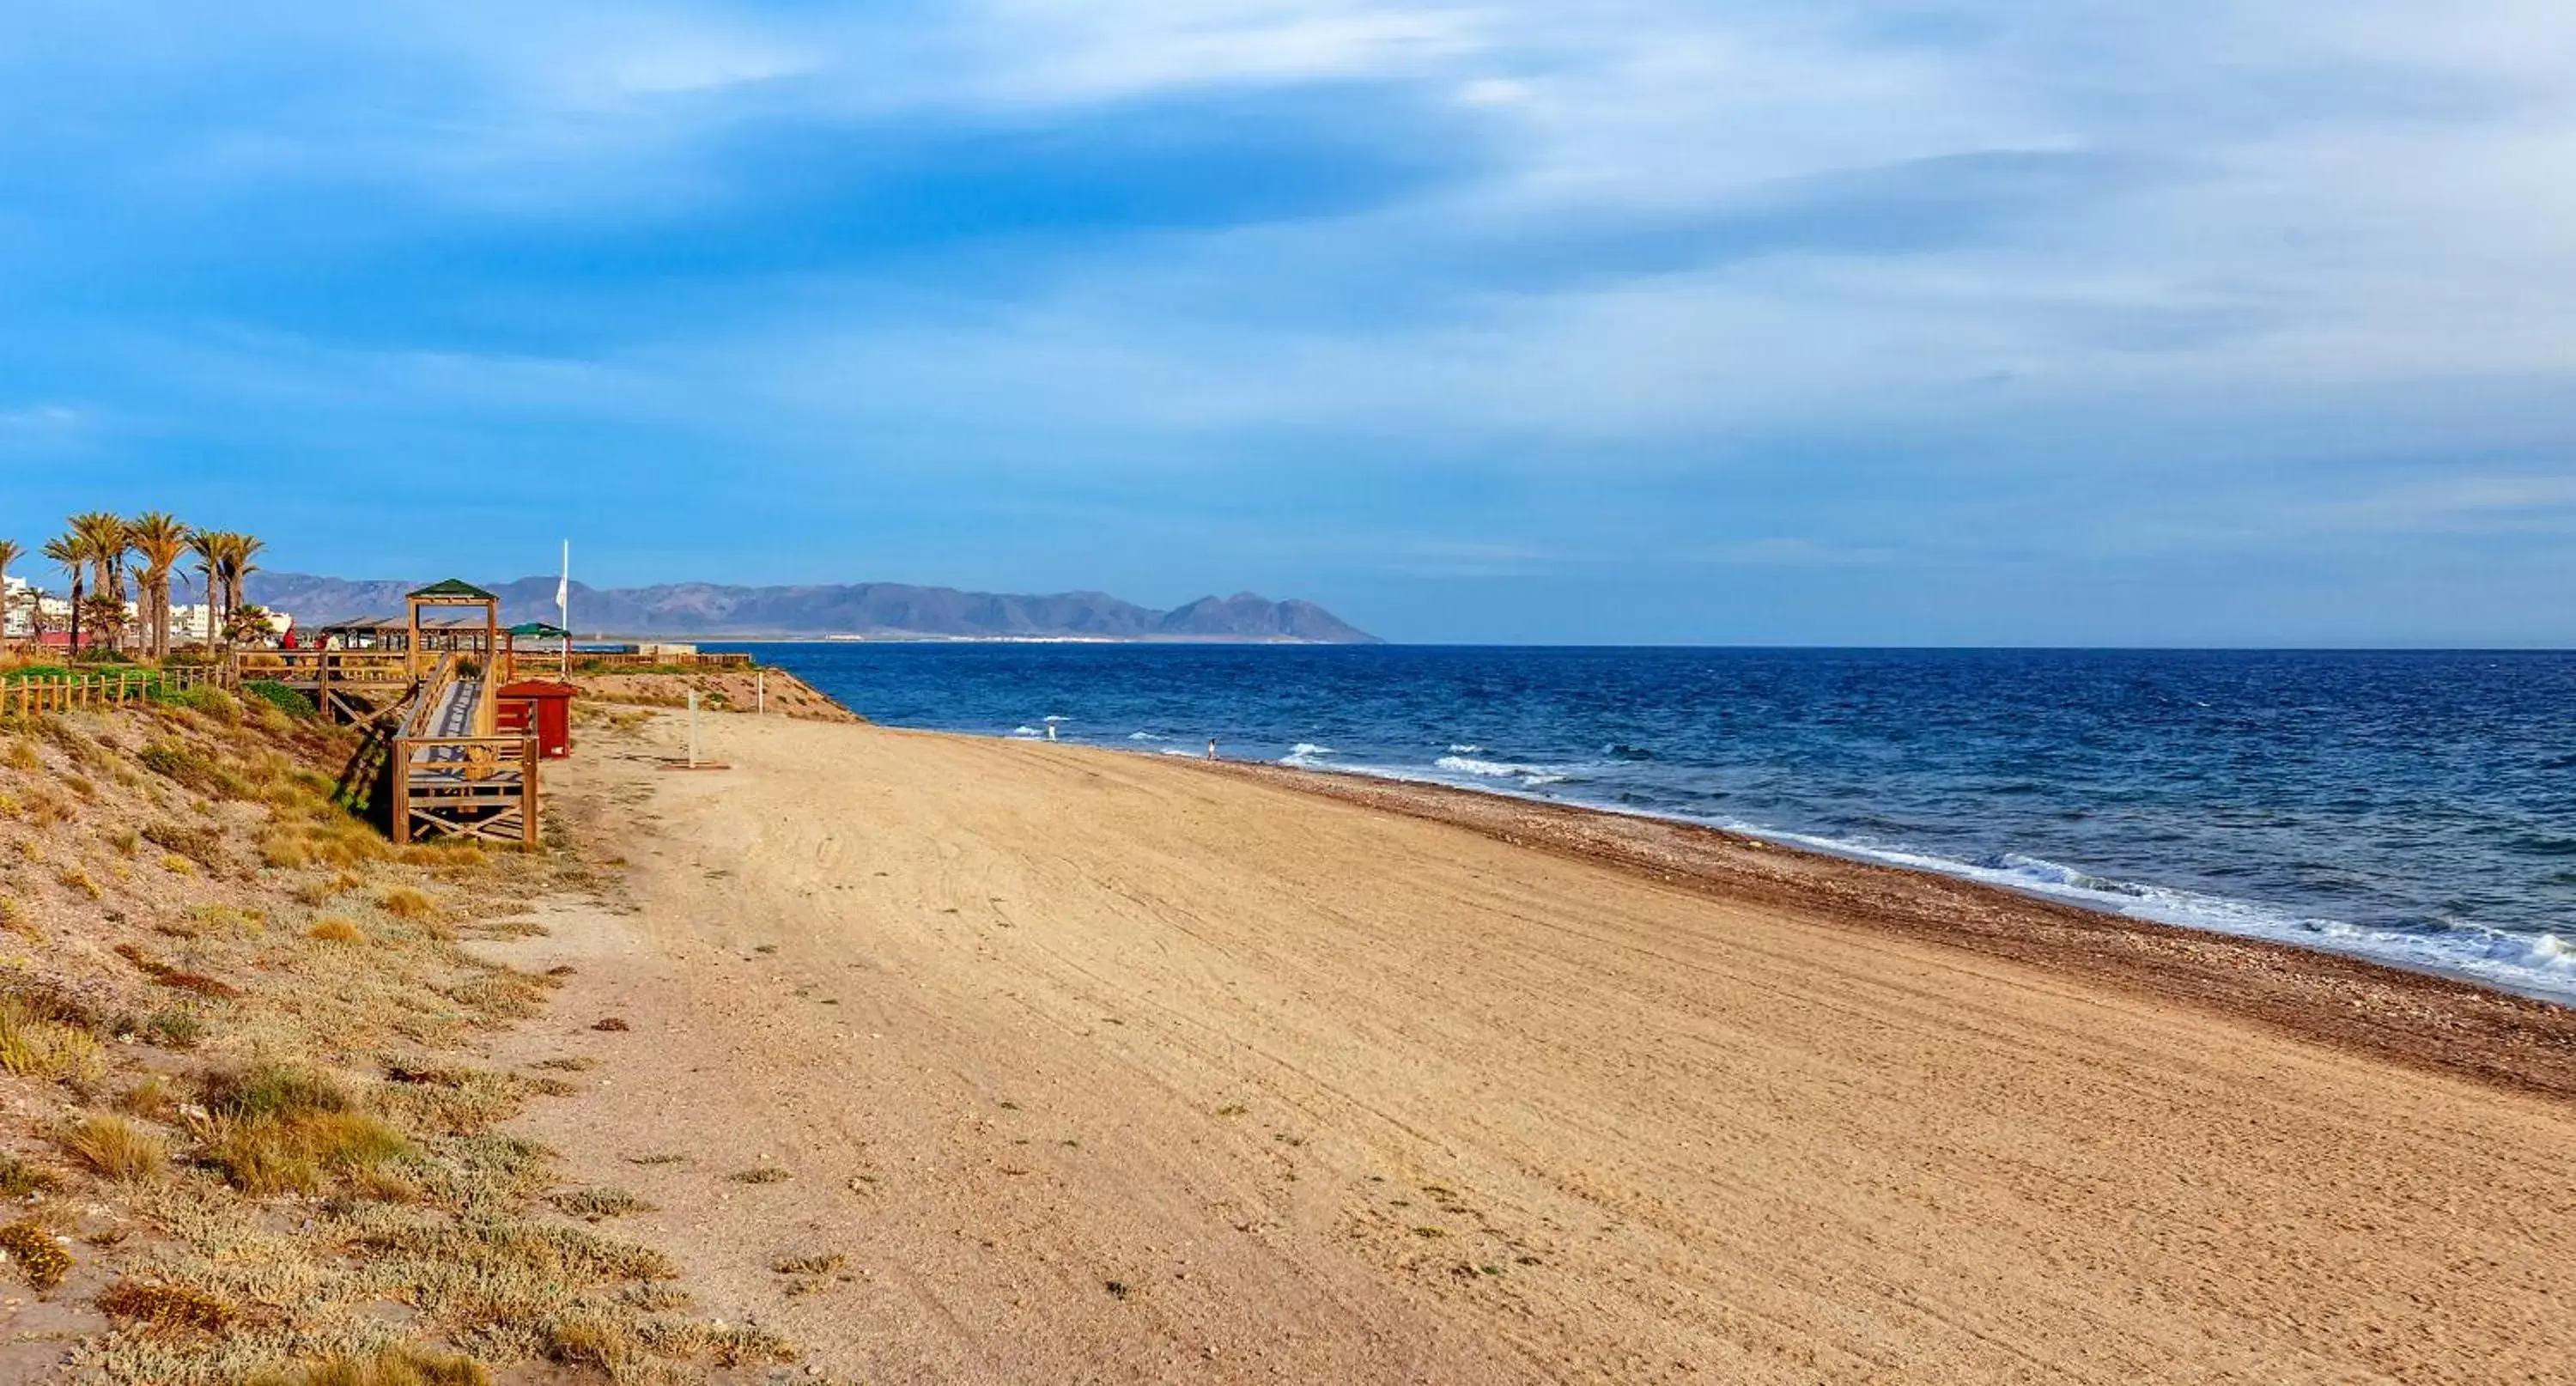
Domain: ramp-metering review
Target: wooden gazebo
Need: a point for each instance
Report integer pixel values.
(484, 641)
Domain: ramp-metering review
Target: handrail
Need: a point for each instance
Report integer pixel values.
(337, 664)
(432, 692)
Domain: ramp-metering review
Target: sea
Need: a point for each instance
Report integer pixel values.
(2414, 808)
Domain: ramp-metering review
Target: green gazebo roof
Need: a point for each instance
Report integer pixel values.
(454, 589)
(539, 630)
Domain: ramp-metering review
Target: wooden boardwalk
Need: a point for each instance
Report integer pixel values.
(428, 682)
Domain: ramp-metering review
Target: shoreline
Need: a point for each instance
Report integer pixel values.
(2424, 1020)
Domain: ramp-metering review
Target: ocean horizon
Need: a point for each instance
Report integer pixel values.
(2411, 807)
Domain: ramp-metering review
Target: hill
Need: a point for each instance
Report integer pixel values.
(713, 611)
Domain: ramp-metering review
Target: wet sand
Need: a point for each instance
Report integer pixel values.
(1099, 1067)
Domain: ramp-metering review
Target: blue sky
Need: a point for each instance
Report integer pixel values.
(1996, 321)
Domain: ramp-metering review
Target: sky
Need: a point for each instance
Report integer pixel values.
(1986, 322)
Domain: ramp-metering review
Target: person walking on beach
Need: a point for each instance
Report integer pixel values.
(1211, 748)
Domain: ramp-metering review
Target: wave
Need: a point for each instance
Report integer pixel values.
(1489, 769)
(1466, 750)
(1146, 736)
(1026, 732)
(2541, 965)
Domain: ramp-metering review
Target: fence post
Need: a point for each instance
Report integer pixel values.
(528, 792)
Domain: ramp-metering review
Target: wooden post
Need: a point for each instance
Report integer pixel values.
(402, 793)
(528, 792)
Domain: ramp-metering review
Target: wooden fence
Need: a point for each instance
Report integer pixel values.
(37, 694)
(616, 663)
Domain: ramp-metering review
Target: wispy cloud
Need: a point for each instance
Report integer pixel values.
(1992, 268)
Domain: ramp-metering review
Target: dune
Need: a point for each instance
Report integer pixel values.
(963, 1060)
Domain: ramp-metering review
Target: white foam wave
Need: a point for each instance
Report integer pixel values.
(2539, 965)
(1466, 750)
(1025, 732)
(1146, 736)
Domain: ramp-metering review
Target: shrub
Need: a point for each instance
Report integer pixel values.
(208, 699)
(283, 854)
(255, 1092)
(390, 1367)
(173, 977)
(198, 842)
(192, 769)
(281, 697)
(19, 1178)
(165, 1308)
(594, 1204)
(337, 931)
(41, 1260)
(173, 1027)
(407, 902)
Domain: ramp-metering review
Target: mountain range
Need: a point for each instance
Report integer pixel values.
(883, 609)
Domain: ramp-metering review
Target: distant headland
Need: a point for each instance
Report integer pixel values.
(884, 610)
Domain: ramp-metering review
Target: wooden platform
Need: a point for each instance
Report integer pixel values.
(429, 680)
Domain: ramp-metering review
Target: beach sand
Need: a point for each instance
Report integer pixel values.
(1107, 1068)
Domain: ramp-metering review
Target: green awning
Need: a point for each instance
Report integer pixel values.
(454, 589)
(539, 630)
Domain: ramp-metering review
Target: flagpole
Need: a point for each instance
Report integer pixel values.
(563, 609)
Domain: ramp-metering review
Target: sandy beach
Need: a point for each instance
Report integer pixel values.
(1100, 1067)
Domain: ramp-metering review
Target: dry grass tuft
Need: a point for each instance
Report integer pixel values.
(37, 1045)
(154, 1099)
(37, 1254)
(761, 1174)
(407, 902)
(336, 930)
(117, 1149)
(270, 1156)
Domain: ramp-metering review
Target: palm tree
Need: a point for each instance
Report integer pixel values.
(9, 553)
(227, 558)
(161, 541)
(207, 546)
(245, 555)
(107, 540)
(70, 552)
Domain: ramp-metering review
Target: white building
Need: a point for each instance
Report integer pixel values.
(189, 624)
(24, 602)
(196, 622)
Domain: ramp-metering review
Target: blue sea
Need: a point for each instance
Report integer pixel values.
(2414, 808)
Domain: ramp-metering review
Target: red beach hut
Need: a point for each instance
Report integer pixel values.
(539, 708)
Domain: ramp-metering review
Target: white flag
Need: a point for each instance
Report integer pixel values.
(563, 590)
